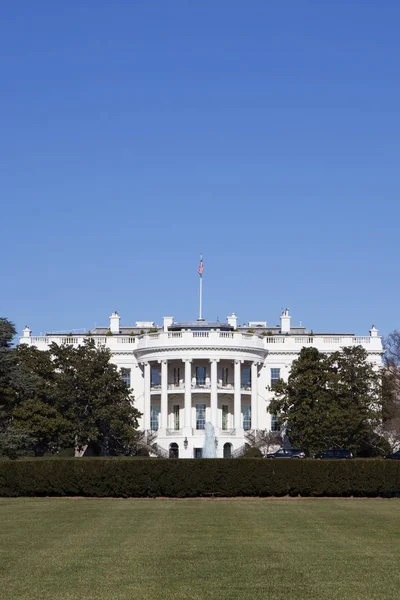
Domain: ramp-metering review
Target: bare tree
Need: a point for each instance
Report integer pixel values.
(391, 389)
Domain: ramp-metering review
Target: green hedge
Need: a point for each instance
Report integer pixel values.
(189, 478)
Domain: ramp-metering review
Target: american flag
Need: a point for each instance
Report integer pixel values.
(201, 267)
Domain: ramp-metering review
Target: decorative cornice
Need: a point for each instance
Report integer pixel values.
(195, 349)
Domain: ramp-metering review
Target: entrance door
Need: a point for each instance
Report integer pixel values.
(173, 450)
(198, 452)
(227, 450)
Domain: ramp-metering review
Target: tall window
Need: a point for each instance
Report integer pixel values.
(176, 376)
(275, 377)
(274, 423)
(155, 411)
(155, 378)
(176, 417)
(126, 376)
(246, 377)
(247, 417)
(225, 373)
(224, 417)
(200, 375)
(200, 416)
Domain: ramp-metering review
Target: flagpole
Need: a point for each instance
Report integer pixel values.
(201, 298)
(200, 272)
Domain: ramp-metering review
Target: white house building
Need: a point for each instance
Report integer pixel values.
(185, 374)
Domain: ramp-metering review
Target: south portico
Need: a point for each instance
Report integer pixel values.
(181, 395)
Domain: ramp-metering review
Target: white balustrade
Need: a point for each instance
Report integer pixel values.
(126, 340)
(362, 340)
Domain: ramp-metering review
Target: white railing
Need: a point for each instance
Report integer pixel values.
(126, 340)
(173, 431)
(201, 385)
(69, 340)
(176, 386)
(222, 339)
(225, 386)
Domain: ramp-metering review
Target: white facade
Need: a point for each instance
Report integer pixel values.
(185, 374)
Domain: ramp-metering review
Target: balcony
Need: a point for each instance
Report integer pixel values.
(246, 387)
(201, 385)
(176, 386)
(224, 385)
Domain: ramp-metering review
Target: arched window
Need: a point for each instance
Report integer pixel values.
(227, 450)
(173, 450)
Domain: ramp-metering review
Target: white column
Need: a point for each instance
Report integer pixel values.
(147, 396)
(254, 395)
(188, 393)
(164, 394)
(214, 393)
(237, 409)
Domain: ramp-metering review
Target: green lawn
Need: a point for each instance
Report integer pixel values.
(64, 549)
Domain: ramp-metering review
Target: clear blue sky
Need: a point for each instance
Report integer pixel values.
(136, 134)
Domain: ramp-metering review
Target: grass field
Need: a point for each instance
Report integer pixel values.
(70, 549)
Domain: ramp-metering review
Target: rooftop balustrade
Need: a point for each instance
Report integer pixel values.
(174, 339)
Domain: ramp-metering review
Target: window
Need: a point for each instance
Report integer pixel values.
(176, 417)
(126, 376)
(155, 411)
(200, 416)
(176, 376)
(275, 377)
(246, 377)
(225, 373)
(224, 417)
(247, 417)
(274, 423)
(198, 452)
(200, 375)
(155, 378)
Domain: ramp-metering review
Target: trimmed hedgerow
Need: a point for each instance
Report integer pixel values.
(125, 478)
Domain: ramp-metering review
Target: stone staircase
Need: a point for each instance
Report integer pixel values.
(147, 440)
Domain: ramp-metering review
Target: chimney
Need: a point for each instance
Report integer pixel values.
(26, 332)
(114, 322)
(167, 322)
(373, 332)
(232, 320)
(285, 321)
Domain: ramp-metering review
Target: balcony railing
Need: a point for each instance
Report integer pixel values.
(246, 386)
(227, 432)
(176, 386)
(155, 386)
(203, 385)
(225, 385)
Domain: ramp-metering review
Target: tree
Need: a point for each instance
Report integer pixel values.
(36, 412)
(329, 401)
(93, 397)
(391, 389)
(7, 369)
